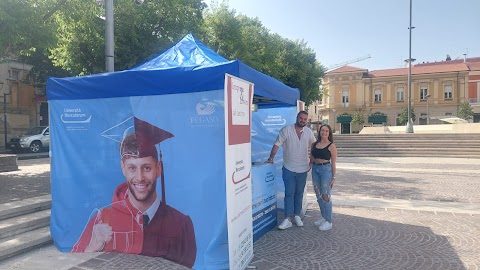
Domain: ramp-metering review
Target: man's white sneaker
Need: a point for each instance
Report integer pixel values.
(285, 224)
(325, 226)
(319, 222)
(298, 221)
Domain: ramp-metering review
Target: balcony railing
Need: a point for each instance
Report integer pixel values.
(473, 100)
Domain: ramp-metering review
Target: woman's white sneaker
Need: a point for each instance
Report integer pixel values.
(285, 224)
(319, 222)
(325, 226)
(298, 221)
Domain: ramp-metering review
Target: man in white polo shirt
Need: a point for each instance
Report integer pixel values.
(296, 140)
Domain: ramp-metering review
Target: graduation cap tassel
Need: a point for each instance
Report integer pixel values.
(164, 200)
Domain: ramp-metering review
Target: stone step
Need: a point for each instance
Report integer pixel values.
(18, 208)
(406, 154)
(371, 137)
(407, 149)
(20, 224)
(387, 144)
(26, 241)
(405, 139)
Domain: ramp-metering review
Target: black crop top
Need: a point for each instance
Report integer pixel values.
(323, 153)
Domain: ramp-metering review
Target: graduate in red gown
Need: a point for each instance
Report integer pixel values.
(138, 221)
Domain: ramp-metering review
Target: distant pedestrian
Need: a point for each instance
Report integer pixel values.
(295, 140)
(324, 157)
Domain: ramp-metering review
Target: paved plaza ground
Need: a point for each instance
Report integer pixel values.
(389, 213)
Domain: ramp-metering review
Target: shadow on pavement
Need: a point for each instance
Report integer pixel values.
(355, 243)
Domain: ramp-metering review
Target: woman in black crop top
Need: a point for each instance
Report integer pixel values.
(323, 158)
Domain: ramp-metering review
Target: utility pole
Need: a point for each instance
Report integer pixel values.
(409, 122)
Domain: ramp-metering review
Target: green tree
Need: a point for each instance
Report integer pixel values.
(27, 34)
(239, 37)
(23, 28)
(464, 110)
(140, 32)
(358, 118)
(403, 118)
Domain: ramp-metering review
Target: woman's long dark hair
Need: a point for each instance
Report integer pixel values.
(330, 134)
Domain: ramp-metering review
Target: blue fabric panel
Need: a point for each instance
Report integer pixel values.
(140, 83)
(85, 163)
(187, 52)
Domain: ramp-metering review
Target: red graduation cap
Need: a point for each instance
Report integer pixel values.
(142, 144)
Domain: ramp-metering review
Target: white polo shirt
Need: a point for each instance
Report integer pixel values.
(295, 150)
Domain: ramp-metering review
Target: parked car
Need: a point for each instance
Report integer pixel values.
(35, 140)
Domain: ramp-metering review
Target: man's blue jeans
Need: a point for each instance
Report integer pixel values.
(294, 187)
(322, 177)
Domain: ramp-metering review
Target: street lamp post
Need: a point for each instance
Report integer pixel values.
(409, 120)
(428, 113)
(4, 115)
(109, 42)
(5, 110)
(109, 33)
(334, 120)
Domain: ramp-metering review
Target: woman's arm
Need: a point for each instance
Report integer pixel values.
(333, 151)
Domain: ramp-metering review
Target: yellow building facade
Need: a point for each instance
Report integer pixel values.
(380, 96)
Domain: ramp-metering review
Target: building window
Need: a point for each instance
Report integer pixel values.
(447, 91)
(400, 94)
(423, 92)
(378, 95)
(345, 96)
(14, 74)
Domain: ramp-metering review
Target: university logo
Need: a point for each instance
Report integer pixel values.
(206, 115)
(205, 108)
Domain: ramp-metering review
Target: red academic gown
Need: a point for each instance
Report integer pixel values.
(169, 234)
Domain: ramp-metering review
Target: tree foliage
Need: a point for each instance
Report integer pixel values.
(140, 32)
(66, 38)
(22, 27)
(358, 118)
(464, 110)
(403, 118)
(239, 37)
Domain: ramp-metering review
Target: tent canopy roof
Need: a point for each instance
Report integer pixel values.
(188, 66)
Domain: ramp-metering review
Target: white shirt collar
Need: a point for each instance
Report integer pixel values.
(153, 208)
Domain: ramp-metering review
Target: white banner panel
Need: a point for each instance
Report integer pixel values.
(238, 164)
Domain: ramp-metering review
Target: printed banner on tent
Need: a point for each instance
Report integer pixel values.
(264, 199)
(109, 174)
(266, 125)
(238, 164)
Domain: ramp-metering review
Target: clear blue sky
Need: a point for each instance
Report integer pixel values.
(342, 30)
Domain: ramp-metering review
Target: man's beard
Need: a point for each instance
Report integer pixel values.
(299, 124)
(149, 194)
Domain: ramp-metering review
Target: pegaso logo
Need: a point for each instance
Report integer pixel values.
(74, 116)
(205, 108)
(205, 116)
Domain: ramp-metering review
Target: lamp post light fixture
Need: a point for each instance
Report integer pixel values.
(428, 113)
(409, 128)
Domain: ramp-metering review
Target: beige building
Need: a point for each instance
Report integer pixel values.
(23, 105)
(381, 95)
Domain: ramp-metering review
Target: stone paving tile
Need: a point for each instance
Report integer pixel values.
(362, 238)
(121, 261)
(445, 184)
(31, 180)
(376, 239)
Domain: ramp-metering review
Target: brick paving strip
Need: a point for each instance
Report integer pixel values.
(389, 213)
